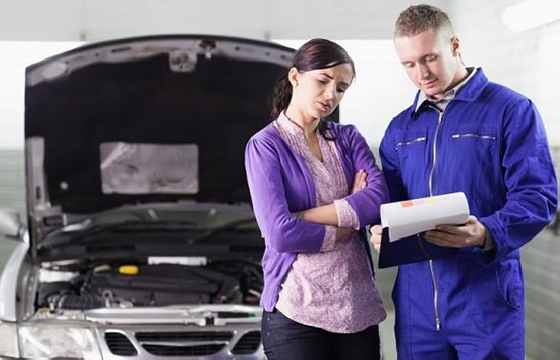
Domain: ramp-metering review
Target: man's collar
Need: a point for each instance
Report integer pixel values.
(450, 94)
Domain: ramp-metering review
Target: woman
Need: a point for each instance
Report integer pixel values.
(313, 185)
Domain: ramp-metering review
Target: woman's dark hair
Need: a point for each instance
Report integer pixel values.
(313, 55)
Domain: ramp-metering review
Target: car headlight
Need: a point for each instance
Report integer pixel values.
(8, 340)
(42, 340)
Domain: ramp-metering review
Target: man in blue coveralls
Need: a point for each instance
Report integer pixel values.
(464, 133)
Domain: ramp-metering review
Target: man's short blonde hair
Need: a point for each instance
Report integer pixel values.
(419, 18)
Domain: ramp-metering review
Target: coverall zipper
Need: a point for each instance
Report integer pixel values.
(486, 137)
(430, 182)
(422, 138)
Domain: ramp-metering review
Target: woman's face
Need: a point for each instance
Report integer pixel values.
(316, 93)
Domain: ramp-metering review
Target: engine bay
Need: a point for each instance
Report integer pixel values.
(115, 284)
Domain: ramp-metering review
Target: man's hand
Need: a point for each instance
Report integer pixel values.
(359, 181)
(473, 233)
(376, 237)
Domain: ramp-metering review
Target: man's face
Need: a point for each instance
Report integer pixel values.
(431, 60)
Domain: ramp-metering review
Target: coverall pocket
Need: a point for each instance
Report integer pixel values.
(411, 148)
(475, 155)
(477, 142)
(509, 283)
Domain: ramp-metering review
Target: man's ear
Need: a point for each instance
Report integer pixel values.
(293, 76)
(455, 43)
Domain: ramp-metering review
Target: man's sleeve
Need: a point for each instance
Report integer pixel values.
(530, 180)
(282, 231)
(391, 169)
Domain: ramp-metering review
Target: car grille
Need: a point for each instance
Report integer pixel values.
(119, 344)
(184, 343)
(248, 344)
(184, 336)
(169, 350)
(137, 342)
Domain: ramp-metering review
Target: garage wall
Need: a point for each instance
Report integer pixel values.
(542, 288)
(12, 191)
(526, 61)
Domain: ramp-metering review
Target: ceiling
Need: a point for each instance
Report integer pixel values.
(71, 20)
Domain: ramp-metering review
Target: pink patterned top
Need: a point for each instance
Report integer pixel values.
(332, 289)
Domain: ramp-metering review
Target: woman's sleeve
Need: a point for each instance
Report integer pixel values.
(367, 201)
(346, 215)
(281, 230)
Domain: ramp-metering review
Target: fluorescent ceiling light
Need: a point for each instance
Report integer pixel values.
(531, 13)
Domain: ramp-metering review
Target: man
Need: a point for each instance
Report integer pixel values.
(464, 133)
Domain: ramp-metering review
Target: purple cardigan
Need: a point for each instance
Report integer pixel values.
(280, 184)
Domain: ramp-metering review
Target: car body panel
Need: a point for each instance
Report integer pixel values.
(11, 260)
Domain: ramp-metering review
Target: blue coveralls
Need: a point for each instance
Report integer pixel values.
(491, 144)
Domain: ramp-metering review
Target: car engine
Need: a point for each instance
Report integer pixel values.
(128, 285)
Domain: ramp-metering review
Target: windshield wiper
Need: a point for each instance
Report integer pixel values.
(150, 225)
(231, 226)
(59, 237)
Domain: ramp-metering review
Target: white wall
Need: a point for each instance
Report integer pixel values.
(380, 92)
(526, 61)
(14, 57)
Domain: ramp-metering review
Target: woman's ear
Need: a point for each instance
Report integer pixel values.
(293, 76)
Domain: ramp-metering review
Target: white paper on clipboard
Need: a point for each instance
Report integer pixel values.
(406, 218)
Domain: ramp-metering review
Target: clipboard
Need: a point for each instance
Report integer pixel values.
(404, 222)
(408, 250)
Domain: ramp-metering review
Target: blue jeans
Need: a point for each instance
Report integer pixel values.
(284, 338)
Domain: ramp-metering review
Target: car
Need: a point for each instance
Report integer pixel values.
(140, 240)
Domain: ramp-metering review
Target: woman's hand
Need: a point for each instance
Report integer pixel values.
(359, 181)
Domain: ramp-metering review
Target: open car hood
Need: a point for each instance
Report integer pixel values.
(148, 119)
